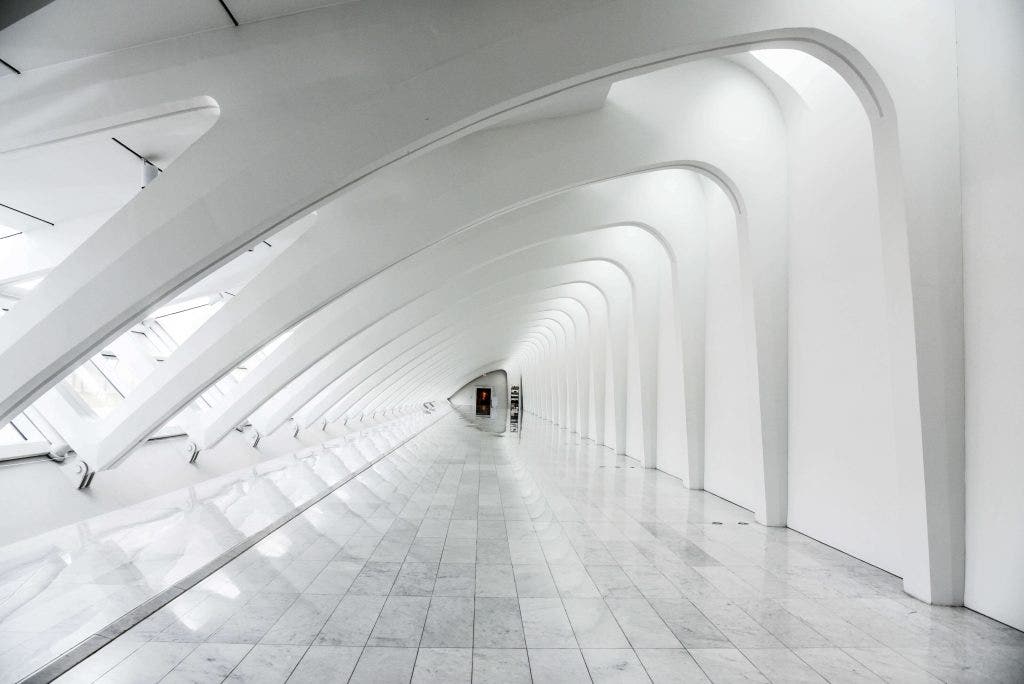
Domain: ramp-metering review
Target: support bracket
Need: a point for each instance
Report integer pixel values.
(87, 474)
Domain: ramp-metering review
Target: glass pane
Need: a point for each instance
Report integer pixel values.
(144, 340)
(246, 366)
(95, 391)
(119, 373)
(180, 326)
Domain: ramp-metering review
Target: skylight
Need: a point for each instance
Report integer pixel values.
(798, 68)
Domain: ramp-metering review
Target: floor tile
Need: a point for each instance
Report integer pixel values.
(335, 578)
(303, 620)
(498, 624)
(325, 664)
(384, 666)
(148, 663)
(500, 666)
(443, 666)
(495, 580)
(558, 666)
(782, 665)
(689, 625)
(726, 665)
(613, 665)
(534, 581)
(459, 551)
(573, 581)
(351, 622)
(741, 629)
(891, 666)
(835, 665)
(493, 551)
(783, 625)
(612, 581)
(415, 579)
(400, 622)
(670, 665)
(449, 622)
(267, 664)
(545, 623)
(375, 579)
(641, 624)
(593, 624)
(455, 579)
(208, 662)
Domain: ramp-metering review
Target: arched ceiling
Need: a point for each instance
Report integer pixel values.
(413, 193)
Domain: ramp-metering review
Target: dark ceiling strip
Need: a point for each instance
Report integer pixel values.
(9, 66)
(228, 10)
(12, 235)
(137, 154)
(25, 213)
(12, 11)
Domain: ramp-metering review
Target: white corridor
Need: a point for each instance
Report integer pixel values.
(470, 554)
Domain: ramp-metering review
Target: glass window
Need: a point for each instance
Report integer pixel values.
(117, 372)
(145, 340)
(181, 325)
(246, 366)
(88, 384)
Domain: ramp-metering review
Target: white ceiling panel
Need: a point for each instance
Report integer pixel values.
(247, 11)
(91, 173)
(70, 29)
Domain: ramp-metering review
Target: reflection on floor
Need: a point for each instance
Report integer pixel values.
(497, 422)
(470, 555)
(60, 588)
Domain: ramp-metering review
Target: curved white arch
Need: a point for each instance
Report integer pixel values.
(196, 220)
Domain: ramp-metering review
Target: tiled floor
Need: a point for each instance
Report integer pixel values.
(515, 557)
(60, 588)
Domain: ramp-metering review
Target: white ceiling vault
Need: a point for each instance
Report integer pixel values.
(364, 205)
(67, 30)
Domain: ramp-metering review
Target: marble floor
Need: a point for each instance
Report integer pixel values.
(63, 589)
(469, 554)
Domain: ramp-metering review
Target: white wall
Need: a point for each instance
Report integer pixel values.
(843, 480)
(991, 98)
(498, 383)
(732, 414)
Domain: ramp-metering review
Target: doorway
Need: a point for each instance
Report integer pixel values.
(483, 401)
